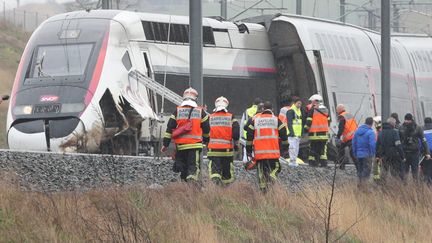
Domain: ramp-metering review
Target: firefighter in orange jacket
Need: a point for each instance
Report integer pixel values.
(190, 143)
(263, 136)
(346, 129)
(224, 136)
(317, 125)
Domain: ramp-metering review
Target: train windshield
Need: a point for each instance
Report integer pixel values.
(61, 60)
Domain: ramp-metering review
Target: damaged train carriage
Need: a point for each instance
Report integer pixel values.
(72, 92)
(80, 84)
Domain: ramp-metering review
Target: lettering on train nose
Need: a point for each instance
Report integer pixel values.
(49, 98)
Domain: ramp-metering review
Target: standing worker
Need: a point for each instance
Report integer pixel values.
(411, 136)
(364, 147)
(286, 106)
(189, 127)
(248, 114)
(347, 127)
(263, 136)
(295, 118)
(224, 135)
(389, 150)
(427, 165)
(317, 125)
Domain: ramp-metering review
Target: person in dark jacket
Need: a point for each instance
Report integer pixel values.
(427, 164)
(364, 145)
(411, 137)
(390, 151)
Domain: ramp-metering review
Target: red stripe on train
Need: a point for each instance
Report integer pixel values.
(254, 69)
(97, 71)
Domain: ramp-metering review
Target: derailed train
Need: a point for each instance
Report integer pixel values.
(73, 91)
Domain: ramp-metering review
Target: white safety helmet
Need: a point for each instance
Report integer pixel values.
(377, 121)
(221, 103)
(316, 97)
(190, 93)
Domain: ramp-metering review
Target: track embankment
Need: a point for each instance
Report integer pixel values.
(40, 171)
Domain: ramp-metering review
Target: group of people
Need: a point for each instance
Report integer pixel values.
(266, 137)
(391, 148)
(394, 149)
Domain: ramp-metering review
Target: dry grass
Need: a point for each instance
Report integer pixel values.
(12, 42)
(182, 213)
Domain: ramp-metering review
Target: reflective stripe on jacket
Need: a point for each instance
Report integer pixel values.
(282, 114)
(195, 135)
(350, 127)
(221, 130)
(266, 137)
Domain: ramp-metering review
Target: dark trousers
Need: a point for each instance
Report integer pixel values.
(343, 157)
(394, 167)
(412, 162)
(318, 153)
(363, 166)
(221, 169)
(267, 171)
(188, 163)
(427, 171)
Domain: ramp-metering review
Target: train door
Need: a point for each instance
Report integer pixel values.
(372, 90)
(321, 78)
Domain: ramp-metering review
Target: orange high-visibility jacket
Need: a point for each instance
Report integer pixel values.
(195, 135)
(266, 137)
(282, 114)
(350, 127)
(221, 130)
(319, 120)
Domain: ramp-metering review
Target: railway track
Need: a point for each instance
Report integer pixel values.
(43, 171)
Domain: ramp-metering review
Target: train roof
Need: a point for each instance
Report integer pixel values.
(143, 16)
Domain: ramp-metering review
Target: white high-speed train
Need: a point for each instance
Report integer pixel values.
(73, 89)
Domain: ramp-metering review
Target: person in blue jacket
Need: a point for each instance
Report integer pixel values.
(427, 164)
(364, 145)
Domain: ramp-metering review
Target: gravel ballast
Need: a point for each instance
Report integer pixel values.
(39, 171)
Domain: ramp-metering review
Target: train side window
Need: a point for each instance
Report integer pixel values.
(127, 61)
(351, 48)
(357, 49)
(327, 46)
(208, 37)
(321, 45)
(339, 43)
(420, 61)
(334, 47)
(345, 47)
(148, 30)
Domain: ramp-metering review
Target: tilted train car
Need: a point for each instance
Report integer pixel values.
(73, 90)
(342, 62)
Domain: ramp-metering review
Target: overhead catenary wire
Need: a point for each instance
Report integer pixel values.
(166, 59)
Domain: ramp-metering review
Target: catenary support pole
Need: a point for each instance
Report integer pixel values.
(299, 7)
(342, 10)
(196, 45)
(224, 9)
(385, 59)
(4, 10)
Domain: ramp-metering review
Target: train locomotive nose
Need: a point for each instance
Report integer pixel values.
(57, 135)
